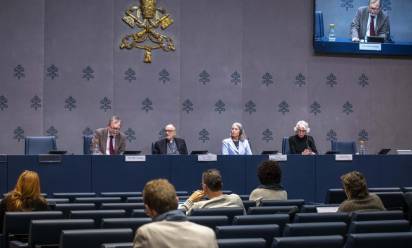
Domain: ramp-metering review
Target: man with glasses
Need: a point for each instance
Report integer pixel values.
(170, 144)
(370, 21)
(109, 140)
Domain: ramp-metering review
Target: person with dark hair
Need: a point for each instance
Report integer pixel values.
(358, 196)
(370, 21)
(109, 140)
(170, 227)
(211, 188)
(269, 174)
(26, 196)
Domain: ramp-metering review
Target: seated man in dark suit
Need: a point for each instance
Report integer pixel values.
(170, 144)
(370, 21)
(109, 140)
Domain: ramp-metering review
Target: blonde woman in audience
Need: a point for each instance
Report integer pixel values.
(358, 196)
(26, 196)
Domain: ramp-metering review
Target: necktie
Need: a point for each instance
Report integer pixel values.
(111, 149)
(372, 27)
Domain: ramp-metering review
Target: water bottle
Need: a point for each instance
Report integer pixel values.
(362, 147)
(331, 35)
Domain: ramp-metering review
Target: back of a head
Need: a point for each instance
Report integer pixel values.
(213, 180)
(27, 189)
(355, 185)
(269, 172)
(160, 195)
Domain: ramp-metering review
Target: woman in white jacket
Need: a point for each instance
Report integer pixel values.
(237, 144)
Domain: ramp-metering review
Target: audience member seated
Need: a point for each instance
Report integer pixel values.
(26, 196)
(269, 174)
(170, 227)
(212, 188)
(358, 196)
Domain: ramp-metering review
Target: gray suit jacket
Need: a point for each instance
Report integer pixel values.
(170, 234)
(99, 142)
(360, 23)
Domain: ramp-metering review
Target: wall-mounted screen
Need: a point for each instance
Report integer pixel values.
(373, 27)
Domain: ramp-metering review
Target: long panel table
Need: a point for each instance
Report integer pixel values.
(306, 177)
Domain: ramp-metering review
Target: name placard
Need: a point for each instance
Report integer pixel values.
(135, 158)
(207, 157)
(343, 157)
(370, 46)
(278, 157)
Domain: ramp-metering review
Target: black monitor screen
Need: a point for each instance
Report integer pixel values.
(373, 27)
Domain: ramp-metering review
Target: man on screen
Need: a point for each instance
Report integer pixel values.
(370, 21)
(109, 140)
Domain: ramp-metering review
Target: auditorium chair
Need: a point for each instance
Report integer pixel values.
(267, 232)
(94, 238)
(384, 189)
(16, 224)
(329, 241)
(247, 204)
(312, 208)
(97, 200)
(210, 221)
(292, 202)
(315, 229)
(73, 195)
(46, 233)
(134, 199)
(242, 243)
(408, 202)
(273, 210)
(67, 207)
(123, 195)
(132, 223)
(127, 206)
(278, 219)
(97, 215)
(230, 212)
(285, 145)
(392, 200)
(35, 145)
(335, 196)
(87, 143)
(377, 215)
(379, 240)
(321, 217)
(343, 147)
(138, 213)
(375, 226)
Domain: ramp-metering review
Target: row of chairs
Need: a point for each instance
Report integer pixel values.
(268, 227)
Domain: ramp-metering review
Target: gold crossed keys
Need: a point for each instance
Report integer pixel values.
(147, 18)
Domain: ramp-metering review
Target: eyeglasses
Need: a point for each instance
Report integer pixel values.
(301, 131)
(169, 130)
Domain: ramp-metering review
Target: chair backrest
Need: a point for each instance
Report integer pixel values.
(312, 208)
(278, 219)
(379, 226)
(47, 232)
(408, 202)
(97, 215)
(98, 200)
(321, 217)
(335, 196)
(379, 240)
(87, 143)
(138, 213)
(273, 210)
(132, 223)
(210, 221)
(267, 232)
(292, 202)
(392, 200)
(247, 204)
(123, 195)
(329, 241)
(319, 28)
(19, 222)
(127, 206)
(94, 238)
(384, 189)
(315, 229)
(285, 145)
(117, 245)
(242, 243)
(377, 215)
(230, 212)
(67, 207)
(134, 199)
(344, 147)
(73, 195)
(35, 145)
